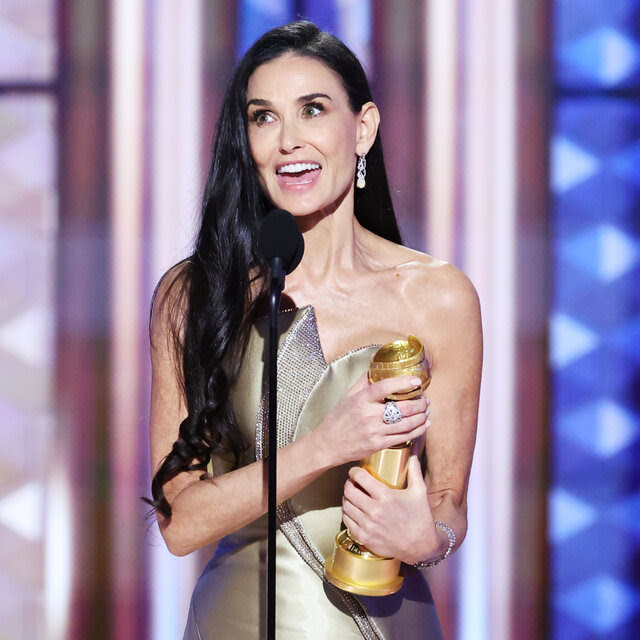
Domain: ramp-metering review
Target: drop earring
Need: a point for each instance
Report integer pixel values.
(361, 171)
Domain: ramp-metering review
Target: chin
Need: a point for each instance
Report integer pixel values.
(304, 207)
(303, 212)
(296, 208)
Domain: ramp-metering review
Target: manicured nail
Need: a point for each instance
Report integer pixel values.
(427, 424)
(428, 411)
(428, 402)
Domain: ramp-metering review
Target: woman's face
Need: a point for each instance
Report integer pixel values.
(303, 134)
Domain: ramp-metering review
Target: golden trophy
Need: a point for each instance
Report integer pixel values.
(352, 566)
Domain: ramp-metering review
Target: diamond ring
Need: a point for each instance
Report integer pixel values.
(391, 414)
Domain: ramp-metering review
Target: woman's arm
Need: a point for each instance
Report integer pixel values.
(401, 523)
(205, 511)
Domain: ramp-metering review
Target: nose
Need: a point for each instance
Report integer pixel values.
(290, 138)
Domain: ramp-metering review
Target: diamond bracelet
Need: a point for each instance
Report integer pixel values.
(451, 534)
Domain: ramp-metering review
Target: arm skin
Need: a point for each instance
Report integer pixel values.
(400, 523)
(205, 511)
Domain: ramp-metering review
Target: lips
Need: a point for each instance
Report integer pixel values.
(298, 175)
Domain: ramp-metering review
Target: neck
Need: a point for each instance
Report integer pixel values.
(332, 243)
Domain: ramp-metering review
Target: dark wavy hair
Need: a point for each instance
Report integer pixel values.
(212, 298)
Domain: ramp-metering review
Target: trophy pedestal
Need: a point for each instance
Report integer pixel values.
(352, 568)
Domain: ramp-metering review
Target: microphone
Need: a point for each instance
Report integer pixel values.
(281, 244)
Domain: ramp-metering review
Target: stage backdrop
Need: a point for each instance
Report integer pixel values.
(106, 116)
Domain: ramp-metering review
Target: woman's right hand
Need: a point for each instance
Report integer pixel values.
(354, 429)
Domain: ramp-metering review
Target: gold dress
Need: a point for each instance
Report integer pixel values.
(229, 600)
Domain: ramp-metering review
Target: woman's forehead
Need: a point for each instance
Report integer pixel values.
(291, 76)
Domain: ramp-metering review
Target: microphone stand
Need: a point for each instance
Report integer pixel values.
(275, 290)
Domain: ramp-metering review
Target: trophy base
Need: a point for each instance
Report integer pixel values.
(360, 589)
(363, 573)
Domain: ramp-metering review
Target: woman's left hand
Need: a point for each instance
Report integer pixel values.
(393, 523)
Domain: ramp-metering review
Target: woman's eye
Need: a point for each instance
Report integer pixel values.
(261, 117)
(311, 110)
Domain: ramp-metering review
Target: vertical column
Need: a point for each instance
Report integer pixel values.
(441, 44)
(441, 190)
(126, 301)
(78, 598)
(398, 88)
(254, 18)
(218, 42)
(324, 14)
(175, 183)
(531, 446)
(488, 257)
(353, 27)
(28, 238)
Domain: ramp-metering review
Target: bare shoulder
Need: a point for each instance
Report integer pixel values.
(169, 303)
(442, 307)
(445, 286)
(426, 279)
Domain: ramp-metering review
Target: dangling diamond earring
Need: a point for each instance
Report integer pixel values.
(361, 170)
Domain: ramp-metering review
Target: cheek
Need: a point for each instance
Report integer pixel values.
(258, 147)
(341, 148)
(345, 161)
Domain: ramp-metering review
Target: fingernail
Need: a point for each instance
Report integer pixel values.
(427, 412)
(416, 381)
(428, 402)
(427, 424)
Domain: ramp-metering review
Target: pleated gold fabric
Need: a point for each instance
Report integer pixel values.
(229, 600)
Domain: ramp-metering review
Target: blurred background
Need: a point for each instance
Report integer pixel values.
(511, 131)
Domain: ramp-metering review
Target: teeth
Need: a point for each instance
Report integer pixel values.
(298, 167)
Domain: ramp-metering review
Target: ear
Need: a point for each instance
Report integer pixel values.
(367, 127)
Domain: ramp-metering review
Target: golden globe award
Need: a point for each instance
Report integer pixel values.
(352, 567)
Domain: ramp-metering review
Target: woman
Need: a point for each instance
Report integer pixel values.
(296, 126)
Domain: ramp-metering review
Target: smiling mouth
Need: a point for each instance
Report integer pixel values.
(297, 170)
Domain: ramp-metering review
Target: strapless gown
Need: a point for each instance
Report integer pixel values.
(229, 601)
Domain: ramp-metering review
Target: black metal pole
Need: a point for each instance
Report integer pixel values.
(277, 282)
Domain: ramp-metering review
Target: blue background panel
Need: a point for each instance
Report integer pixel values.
(594, 506)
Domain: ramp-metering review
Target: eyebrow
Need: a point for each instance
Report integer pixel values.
(306, 98)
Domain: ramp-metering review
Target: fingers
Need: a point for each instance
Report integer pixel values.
(364, 532)
(358, 419)
(414, 434)
(359, 505)
(409, 428)
(354, 505)
(356, 532)
(378, 391)
(361, 480)
(355, 501)
(415, 418)
(413, 407)
(385, 387)
(414, 473)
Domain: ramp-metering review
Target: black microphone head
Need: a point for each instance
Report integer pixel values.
(280, 237)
